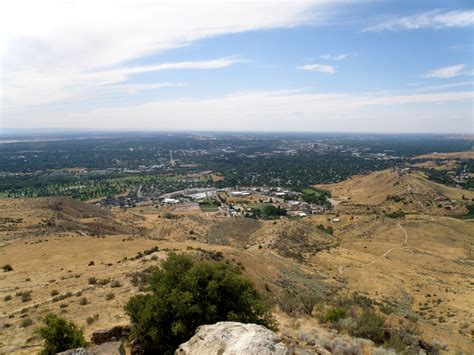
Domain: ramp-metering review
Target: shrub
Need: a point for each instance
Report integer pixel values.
(7, 298)
(54, 293)
(289, 304)
(185, 294)
(83, 301)
(26, 322)
(333, 314)
(92, 280)
(371, 326)
(110, 296)
(25, 296)
(396, 214)
(7, 267)
(59, 335)
(308, 302)
(92, 319)
(115, 284)
(104, 282)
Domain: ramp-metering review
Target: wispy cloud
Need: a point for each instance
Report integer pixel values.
(123, 73)
(321, 68)
(446, 72)
(279, 110)
(445, 86)
(334, 56)
(57, 50)
(436, 19)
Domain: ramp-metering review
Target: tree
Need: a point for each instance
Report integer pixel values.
(184, 295)
(59, 334)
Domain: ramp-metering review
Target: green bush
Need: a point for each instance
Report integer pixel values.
(26, 322)
(59, 335)
(333, 314)
(396, 214)
(370, 326)
(185, 294)
(308, 302)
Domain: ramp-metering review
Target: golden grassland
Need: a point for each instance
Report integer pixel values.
(418, 264)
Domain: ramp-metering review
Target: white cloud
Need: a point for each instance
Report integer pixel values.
(436, 19)
(334, 56)
(446, 72)
(54, 50)
(321, 68)
(278, 110)
(446, 86)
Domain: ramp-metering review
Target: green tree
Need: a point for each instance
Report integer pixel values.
(185, 294)
(59, 334)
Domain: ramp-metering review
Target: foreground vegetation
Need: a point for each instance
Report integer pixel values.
(184, 294)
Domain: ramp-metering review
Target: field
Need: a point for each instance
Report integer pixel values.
(208, 208)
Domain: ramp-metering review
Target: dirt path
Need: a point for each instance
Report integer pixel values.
(384, 255)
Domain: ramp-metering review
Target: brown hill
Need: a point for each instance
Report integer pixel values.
(393, 190)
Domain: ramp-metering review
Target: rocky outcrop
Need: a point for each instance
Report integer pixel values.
(109, 348)
(232, 338)
(119, 332)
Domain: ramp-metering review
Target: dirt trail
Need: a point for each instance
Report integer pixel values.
(387, 252)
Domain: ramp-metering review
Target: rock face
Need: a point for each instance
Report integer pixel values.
(232, 338)
(110, 348)
(119, 332)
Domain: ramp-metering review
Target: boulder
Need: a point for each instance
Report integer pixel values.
(119, 332)
(233, 338)
(109, 348)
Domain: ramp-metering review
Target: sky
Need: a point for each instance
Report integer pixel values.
(309, 66)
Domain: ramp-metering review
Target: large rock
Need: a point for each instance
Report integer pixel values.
(110, 348)
(232, 338)
(119, 332)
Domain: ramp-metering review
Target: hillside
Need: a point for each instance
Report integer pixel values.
(391, 189)
(416, 268)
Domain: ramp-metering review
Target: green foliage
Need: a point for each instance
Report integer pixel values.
(308, 302)
(185, 294)
(26, 322)
(396, 214)
(59, 335)
(470, 212)
(328, 230)
(370, 326)
(333, 314)
(316, 196)
(268, 211)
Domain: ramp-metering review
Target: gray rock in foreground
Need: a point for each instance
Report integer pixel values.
(232, 338)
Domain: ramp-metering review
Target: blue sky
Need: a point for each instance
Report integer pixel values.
(367, 66)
